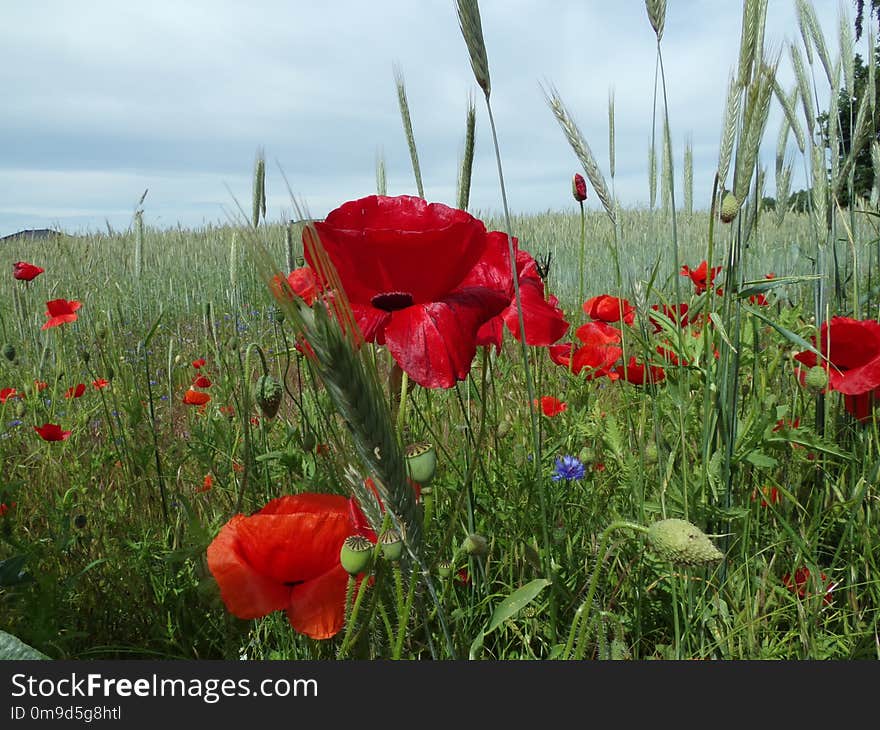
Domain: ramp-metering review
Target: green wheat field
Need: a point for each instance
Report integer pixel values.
(721, 504)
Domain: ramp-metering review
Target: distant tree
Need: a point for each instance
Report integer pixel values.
(799, 202)
(847, 103)
(768, 202)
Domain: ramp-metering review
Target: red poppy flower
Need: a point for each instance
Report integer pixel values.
(100, 383)
(286, 557)
(853, 348)
(207, 483)
(200, 363)
(798, 585)
(24, 271)
(60, 311)
(4, 508)
(52, 432)
(195, 398)
(200, 381)
(544, 320)
(759, 298)
(40, 385)
(639, 374)
(8, 393)
(421, 278)
(302, 282)
(676, 313)
(598, 353)
(550, 406)
(701, 277)
(606, 308)
(75, 391)
(769, 495)
(579, 188)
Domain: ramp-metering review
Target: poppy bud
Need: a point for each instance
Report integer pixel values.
(680, 541)
(268, 393)
(475, 544)
(816, 378)
(421, 462)
(651, 454)
(355, 554)
(729, 207)
(9, 351)
(392, 545)
(444, 568)
(579, 188)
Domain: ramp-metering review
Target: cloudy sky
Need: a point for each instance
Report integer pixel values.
(105, 99)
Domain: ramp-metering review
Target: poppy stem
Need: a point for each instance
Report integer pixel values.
(404, 614)
(351, 617)
(401, 413)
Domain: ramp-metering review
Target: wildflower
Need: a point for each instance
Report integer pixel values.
(75, 391)
(40, 385)
(579, 188)
(769, 495)
(676, 313)
(52, 432)
(853, 349)
(701, 277)
(286, 557)
(302, 282)
(100, 383)
(550, 406)
(200, 363)
(421, 278)
(23, 271)
(568, 468)
(598, 353)
(639, 373)
(200, 381)
(207, 483)
(8, 393)
(60, 311)
(798, 585)
(5, 508)
(606, 308)
(195, 398)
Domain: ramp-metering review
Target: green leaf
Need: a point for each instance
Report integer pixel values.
(719, 325)
(476, 645)
(14, 649)
(760, 286)
(12, 571)
(786, 333)
(759, 458)
(515, 602)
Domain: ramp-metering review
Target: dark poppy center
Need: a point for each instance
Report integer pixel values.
(293, 583)
(391, 301)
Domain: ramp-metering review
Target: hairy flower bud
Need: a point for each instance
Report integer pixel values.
(579, 188)
(682, 542)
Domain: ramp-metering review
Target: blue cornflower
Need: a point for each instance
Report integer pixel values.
(568, 468)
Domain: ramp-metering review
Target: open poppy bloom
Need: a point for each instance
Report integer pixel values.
(701, 276)
(200, 381)
(677, 313)
(639, 374)
(8, 393)
(75, 391)
(195, 397)
(286, 557)
(302, 282)
(606, 308)
(23, 271)
(853, 348)
(550, 406)
(421, 278)
(543, 319)
(60, 311)
(200, 363)
(798, 584)
(100, 383)
(52, 432)
(598, 353)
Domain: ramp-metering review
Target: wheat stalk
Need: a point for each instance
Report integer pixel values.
(689, 176)
(657, 16)
(381, 180)
(472, 31)
(728, 131)
(467, 160)
(408, 128)
(800, 74)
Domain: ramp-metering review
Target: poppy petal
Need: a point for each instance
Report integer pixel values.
(317, 608)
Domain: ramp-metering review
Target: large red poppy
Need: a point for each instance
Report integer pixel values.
(597, 355)
(286, 557)
(60, 311)
(24, 271)
(701, 276)
(421, 278)
(52, 432)
(853, 348)
(543, 319)
(606, 308)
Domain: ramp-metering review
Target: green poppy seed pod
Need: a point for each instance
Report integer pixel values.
(651, 454)
(444, 568)
(355, 554)
(9, 351)
(729, 207)
(421, 462)
(475, 544)
(682, 542)
(392, 545)
(268, 393)
(816, 378)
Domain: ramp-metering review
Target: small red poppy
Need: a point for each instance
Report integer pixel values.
(638, 374)
(195, 398)
(198, 363)
(40, 385)
(551, 406)
(4, 508)
(75, 391)
(200, 381)
(286, 557)
(24, 271)
(606, 308)
(60, 311)
(798, 585)
(701, 276)
(7, 393)
(598, 353)
(207, 483)
(52, 432)
(768, 495)
(579, 188)
(100, 383)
